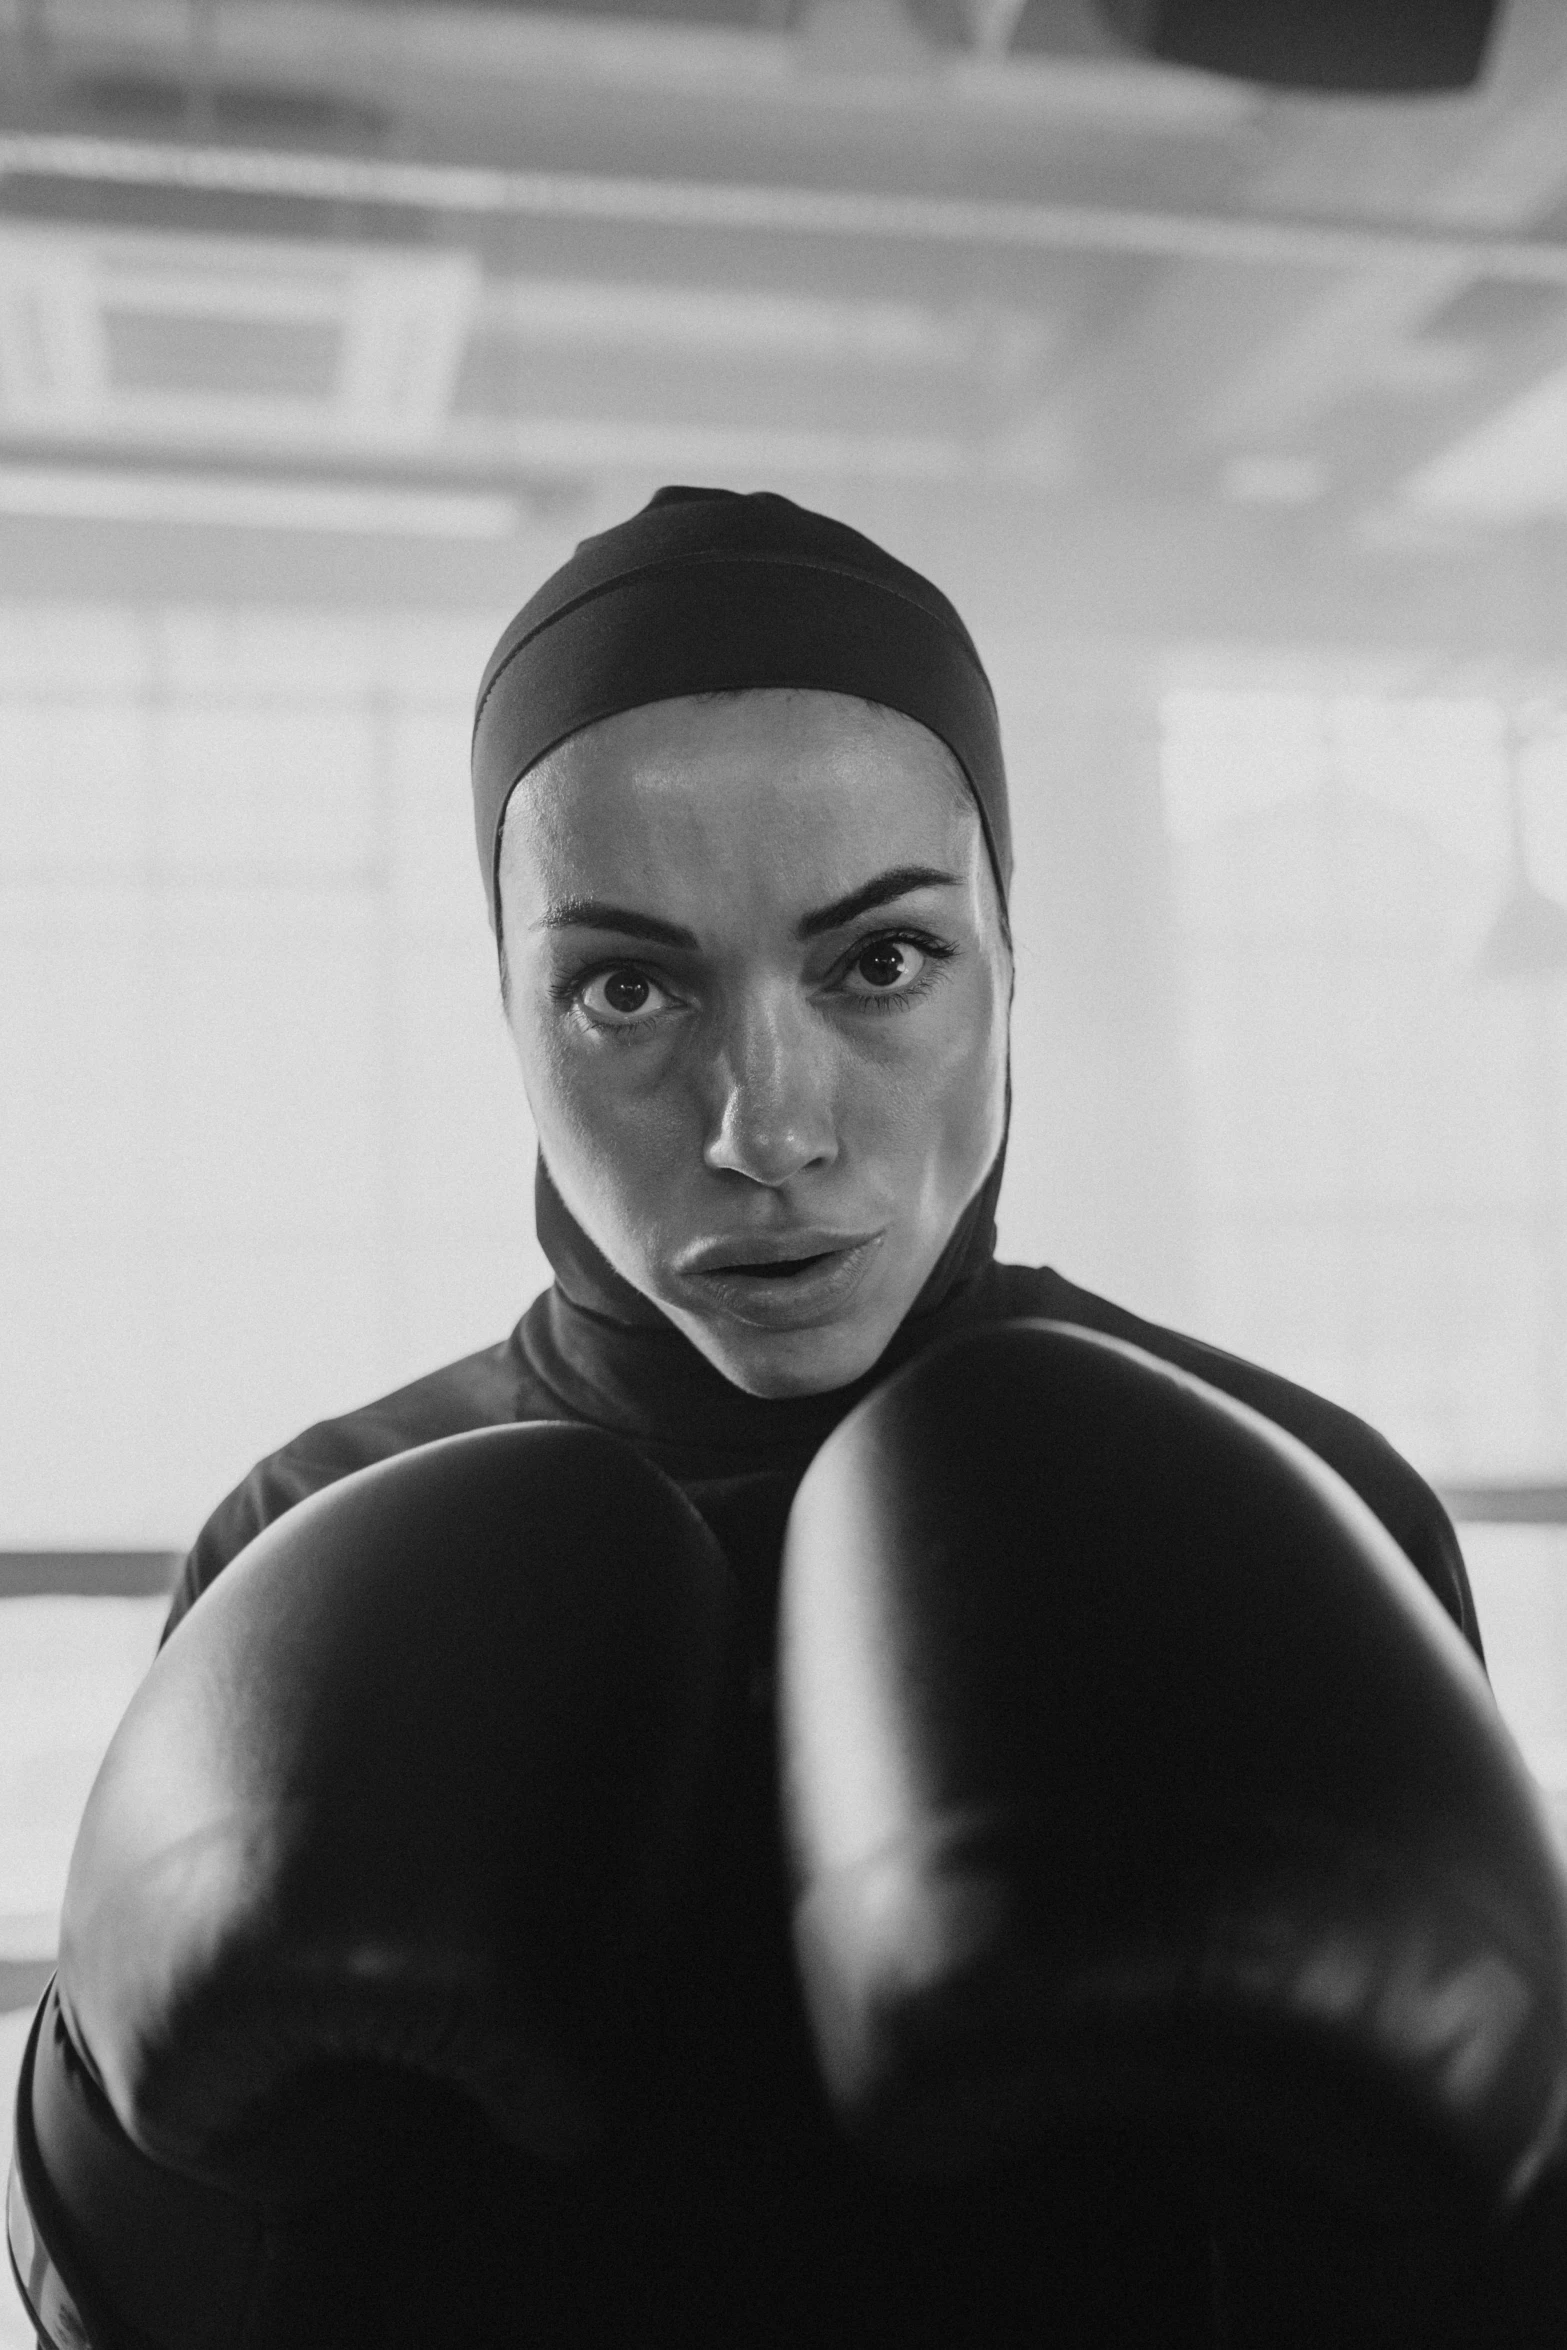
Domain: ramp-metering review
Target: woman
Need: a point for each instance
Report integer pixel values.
(742, 823)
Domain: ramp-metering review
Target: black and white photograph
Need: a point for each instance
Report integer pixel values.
(783, 1174)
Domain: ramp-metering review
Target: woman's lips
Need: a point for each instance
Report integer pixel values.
(785, 1293)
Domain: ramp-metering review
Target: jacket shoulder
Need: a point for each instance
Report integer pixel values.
(483, 1390)
(1396, 1493)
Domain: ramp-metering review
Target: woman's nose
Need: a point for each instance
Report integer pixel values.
(772, 1115)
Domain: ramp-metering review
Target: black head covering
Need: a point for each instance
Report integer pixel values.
(706, 591)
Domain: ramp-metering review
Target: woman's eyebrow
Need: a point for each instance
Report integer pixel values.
(595, 914)
(894, 884)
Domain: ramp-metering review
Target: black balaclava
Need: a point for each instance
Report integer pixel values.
(708, 591)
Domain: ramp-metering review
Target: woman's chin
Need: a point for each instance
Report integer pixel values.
(778, 1364)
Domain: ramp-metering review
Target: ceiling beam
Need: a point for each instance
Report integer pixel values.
(1289, 366)
(861, 215)
(416, 51)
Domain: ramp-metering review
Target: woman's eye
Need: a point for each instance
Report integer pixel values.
(888, 966)
(615, 998)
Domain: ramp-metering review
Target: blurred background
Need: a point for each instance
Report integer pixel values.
(1234, 419)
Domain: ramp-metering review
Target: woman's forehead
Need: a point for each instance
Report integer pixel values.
(715, 783)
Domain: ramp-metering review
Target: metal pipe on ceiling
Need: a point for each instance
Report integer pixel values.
(842, 213)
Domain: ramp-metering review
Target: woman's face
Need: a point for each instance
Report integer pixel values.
(759, 990)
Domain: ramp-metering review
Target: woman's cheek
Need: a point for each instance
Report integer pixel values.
(641, 1122)
(567, 1091)
(965, 1094)
(585, 1064)
(930, 1064)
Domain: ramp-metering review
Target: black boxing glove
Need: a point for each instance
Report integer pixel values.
(1135, 1780)
(412, 1796)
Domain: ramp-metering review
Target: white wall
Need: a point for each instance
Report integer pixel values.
(264, 1154)
(263, 1150)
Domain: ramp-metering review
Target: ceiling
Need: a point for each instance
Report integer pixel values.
(428, 273)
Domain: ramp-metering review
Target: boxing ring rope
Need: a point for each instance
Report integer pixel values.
(1505, 1505)
(58, 1578)
(146, 1576)
(136, 1574)
(88, 1574)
